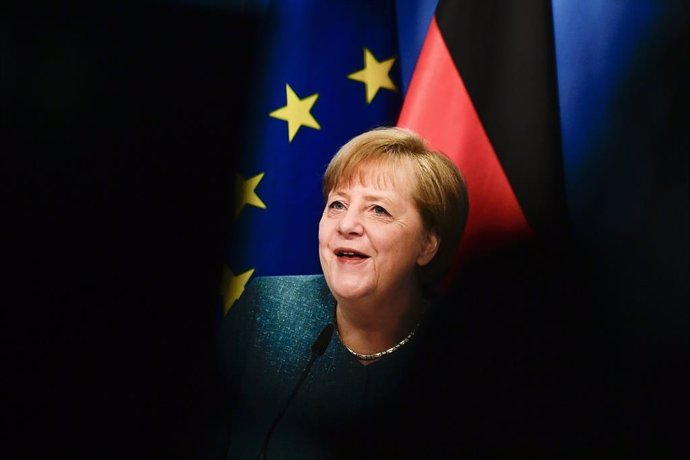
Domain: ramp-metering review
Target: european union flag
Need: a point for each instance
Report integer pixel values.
(329, 71)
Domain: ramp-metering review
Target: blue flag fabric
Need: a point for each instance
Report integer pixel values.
(328, 71)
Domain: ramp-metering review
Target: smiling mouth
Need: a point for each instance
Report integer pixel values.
(350, 255)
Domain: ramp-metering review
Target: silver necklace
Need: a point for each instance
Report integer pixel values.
(380, 354)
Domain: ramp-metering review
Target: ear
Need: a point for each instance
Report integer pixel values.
(429, 248)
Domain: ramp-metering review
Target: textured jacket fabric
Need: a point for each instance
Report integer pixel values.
(342, 410)
(474, 382)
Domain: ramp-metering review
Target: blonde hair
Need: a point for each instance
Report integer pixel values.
(439, 192)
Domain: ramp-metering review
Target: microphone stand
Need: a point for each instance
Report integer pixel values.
(317, 349)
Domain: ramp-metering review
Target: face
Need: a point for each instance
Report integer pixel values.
(371, 236)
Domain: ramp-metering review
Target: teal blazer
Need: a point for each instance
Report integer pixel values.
(465, 386)
(342, 410)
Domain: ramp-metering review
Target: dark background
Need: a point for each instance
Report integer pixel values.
(121, 122)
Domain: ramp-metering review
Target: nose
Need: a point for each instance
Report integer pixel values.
(350, 222)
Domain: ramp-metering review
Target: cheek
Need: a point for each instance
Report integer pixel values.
(323, 245)
(404, 246)
(324, 231)
(395, 244)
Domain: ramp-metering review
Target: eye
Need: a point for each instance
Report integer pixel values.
(380, 211)
(336, 205)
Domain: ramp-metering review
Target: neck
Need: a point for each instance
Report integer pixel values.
(367, 329)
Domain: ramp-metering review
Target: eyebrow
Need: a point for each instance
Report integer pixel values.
(369, 197)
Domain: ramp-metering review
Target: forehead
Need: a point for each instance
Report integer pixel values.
(398, 176)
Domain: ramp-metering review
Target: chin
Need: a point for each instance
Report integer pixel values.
(349, 289)
(345, 294)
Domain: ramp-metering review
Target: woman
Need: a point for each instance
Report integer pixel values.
(393, 217)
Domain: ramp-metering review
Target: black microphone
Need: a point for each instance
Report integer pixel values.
(317, 349)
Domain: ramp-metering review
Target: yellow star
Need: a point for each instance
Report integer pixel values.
(296, 112)
(245, 193)
(374, 75)
(232, 287)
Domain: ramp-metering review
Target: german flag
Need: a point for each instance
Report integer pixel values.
(484, 92)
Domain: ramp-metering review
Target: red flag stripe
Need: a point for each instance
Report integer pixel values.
(439, 108)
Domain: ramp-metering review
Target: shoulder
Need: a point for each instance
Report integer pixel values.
(288, 284)
(278, 317)
(277, 310)
(281, 289)
(271, 296)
